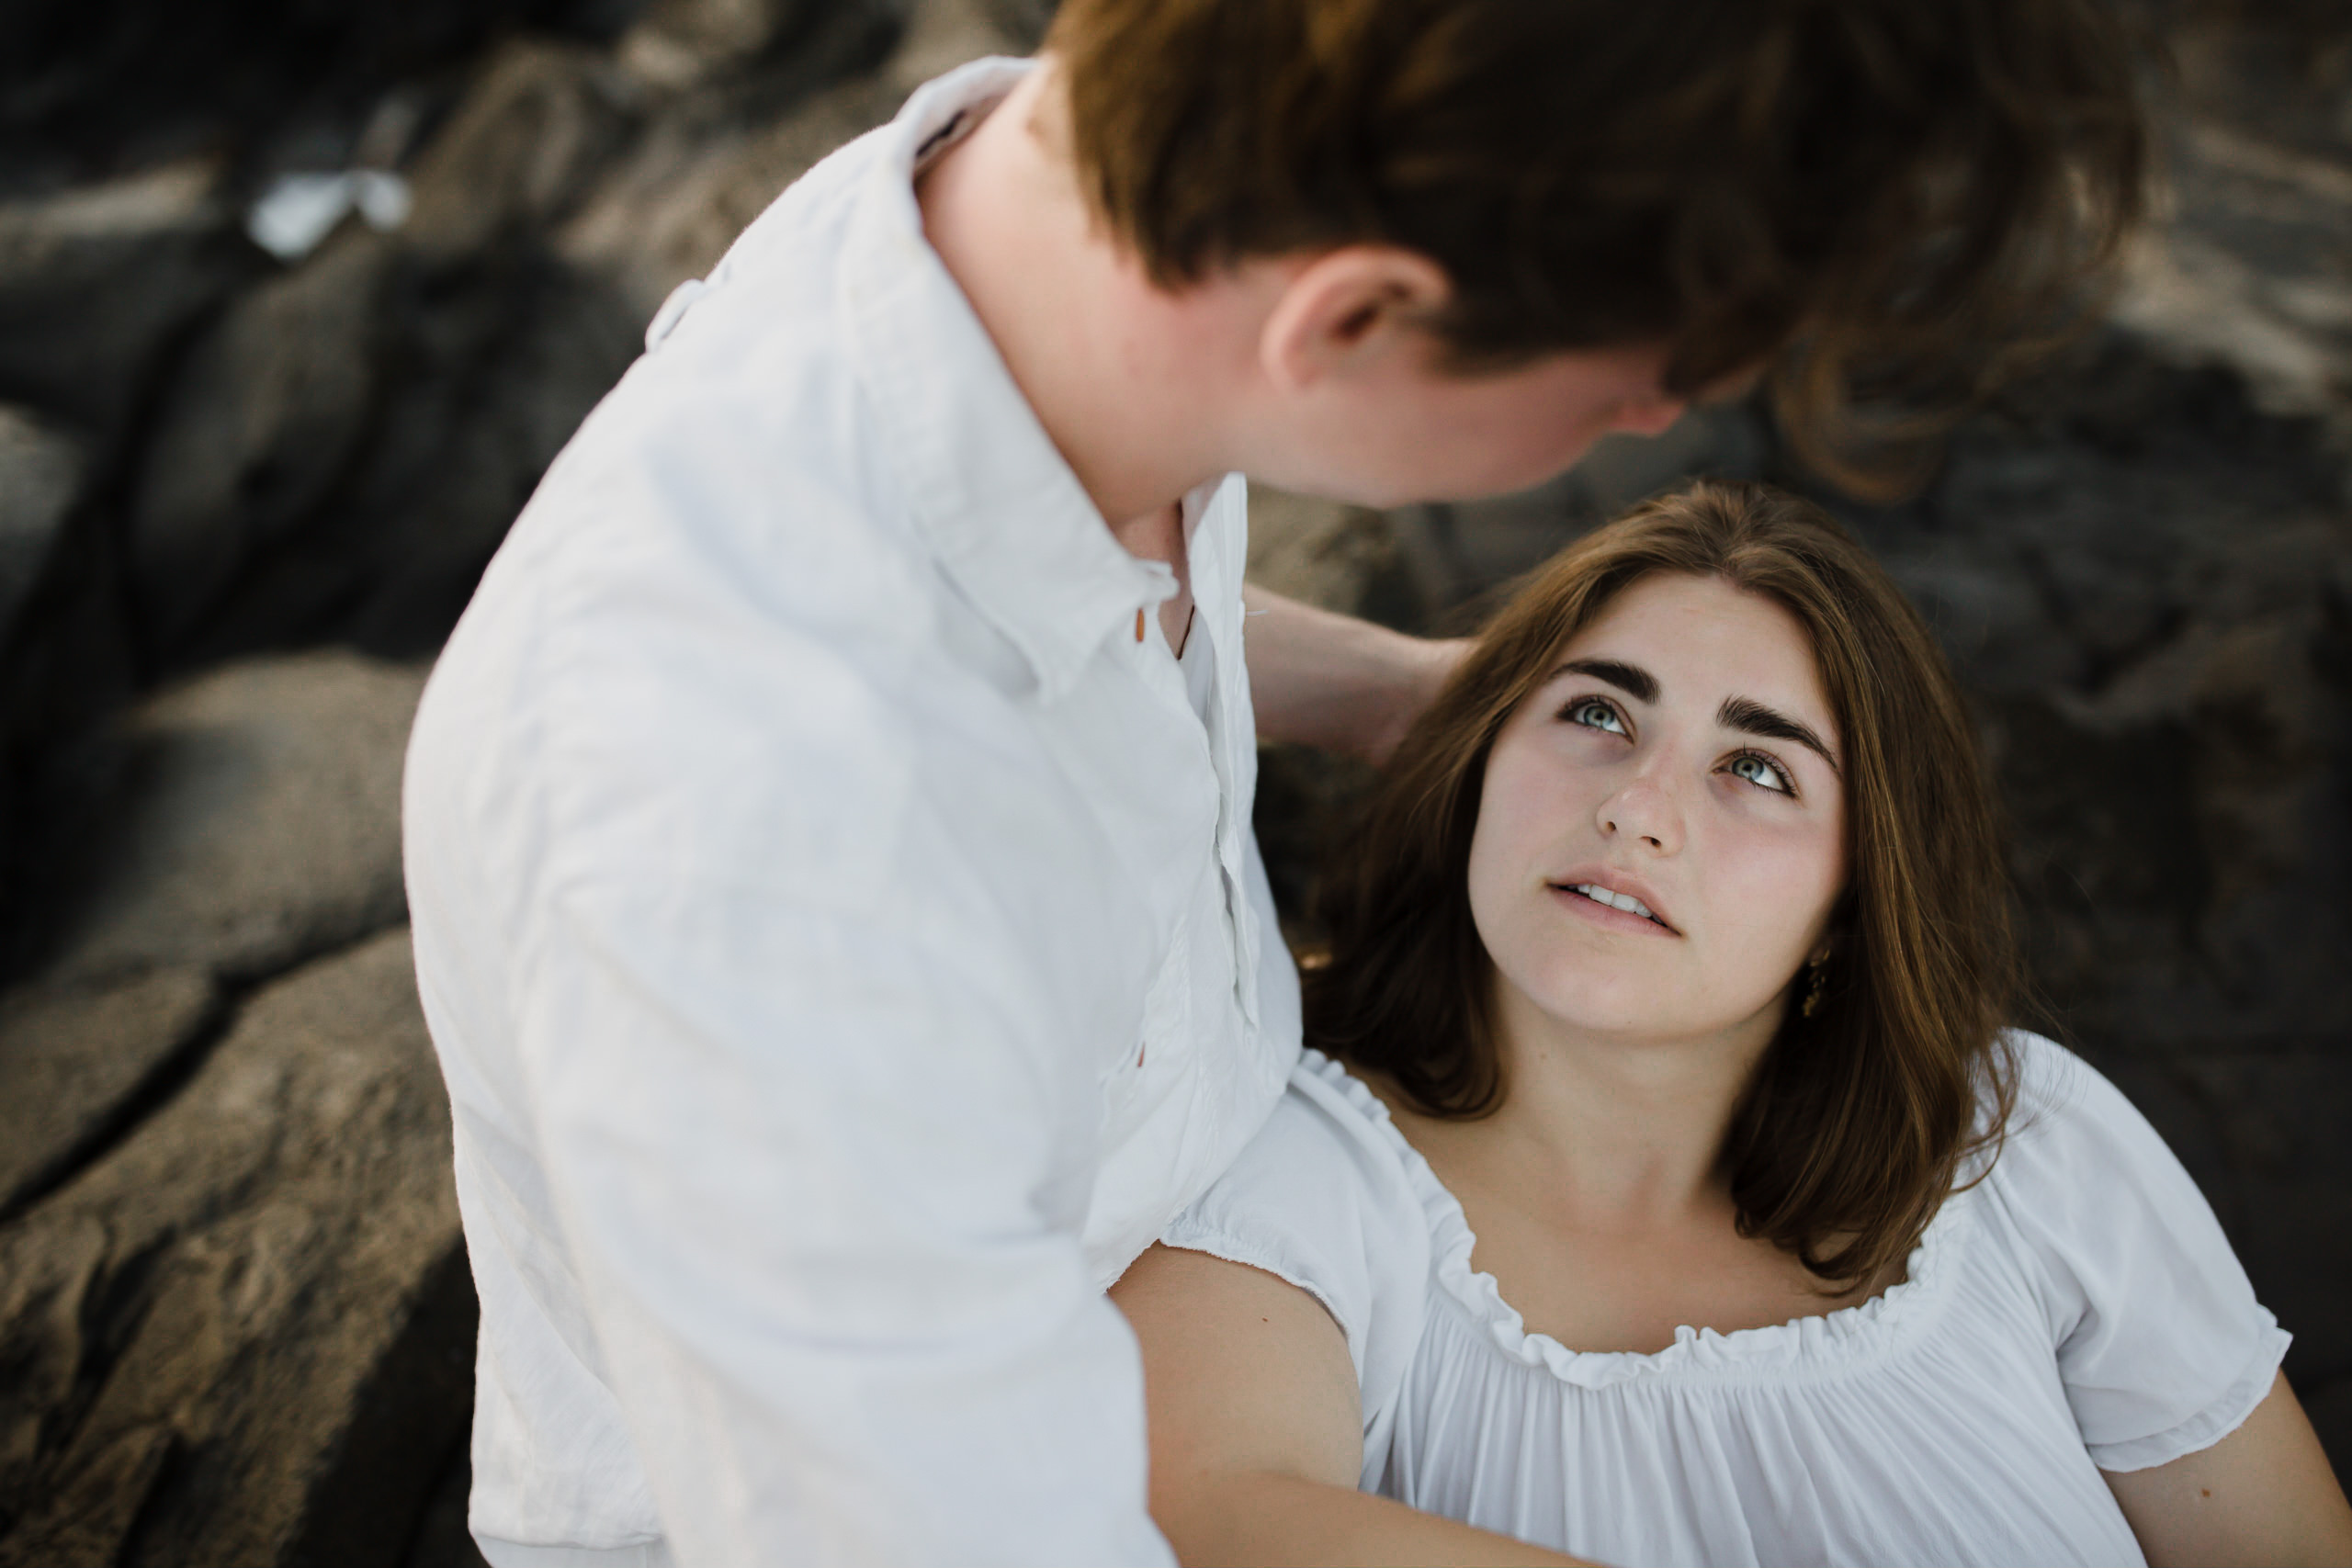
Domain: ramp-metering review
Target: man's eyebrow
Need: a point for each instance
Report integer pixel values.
(1751, 717)
(1631, 679)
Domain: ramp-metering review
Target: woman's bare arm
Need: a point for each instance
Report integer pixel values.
(2261, 1496)
(1257, 1427)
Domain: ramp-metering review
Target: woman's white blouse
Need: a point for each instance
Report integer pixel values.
(2078, 1310)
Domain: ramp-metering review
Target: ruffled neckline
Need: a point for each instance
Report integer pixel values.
(1826, 1342)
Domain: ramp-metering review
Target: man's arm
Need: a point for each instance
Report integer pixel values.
(1257, 1427)
(815, 1170)
(2263, 1495)
(1328, 680)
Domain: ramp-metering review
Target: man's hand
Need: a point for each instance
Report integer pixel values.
(1328, 679)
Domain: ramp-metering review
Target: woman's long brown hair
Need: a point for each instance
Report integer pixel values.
(1859, 1119)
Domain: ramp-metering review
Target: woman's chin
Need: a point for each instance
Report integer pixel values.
(1625, 1010)
(1635, 1018)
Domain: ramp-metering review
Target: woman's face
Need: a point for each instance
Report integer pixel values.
(1681, 759)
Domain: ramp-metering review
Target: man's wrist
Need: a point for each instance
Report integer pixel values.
(1320, 678)
(1424, 665)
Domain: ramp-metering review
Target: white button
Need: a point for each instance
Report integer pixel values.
(673, 311)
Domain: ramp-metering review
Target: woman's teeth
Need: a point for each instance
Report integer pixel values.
(1625, 901)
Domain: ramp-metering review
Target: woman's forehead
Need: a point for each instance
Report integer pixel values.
(1699, 641)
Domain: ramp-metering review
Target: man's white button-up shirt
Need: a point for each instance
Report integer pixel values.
(841, 930)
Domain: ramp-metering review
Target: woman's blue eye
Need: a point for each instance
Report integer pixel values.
(1760, 770)
(1594, 714)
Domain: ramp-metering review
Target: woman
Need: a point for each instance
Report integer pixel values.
(1666, 1191)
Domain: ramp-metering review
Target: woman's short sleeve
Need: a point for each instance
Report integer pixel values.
(2160, 1345)
(1321, 1198)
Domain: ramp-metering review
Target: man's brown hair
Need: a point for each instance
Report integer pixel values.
(1886, 199)
(1859, 1118)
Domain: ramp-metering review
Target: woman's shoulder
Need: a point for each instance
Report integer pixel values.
(1322, 1197)
(1327, 1155)
(2066, 1120)
(2160, 1341)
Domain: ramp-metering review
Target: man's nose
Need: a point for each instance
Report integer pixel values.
(1649, 416)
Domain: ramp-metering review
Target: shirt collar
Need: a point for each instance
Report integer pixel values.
(1008, 520)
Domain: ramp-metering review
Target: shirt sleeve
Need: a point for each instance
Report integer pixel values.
(2160, 1345)
(1321, 1199)
(818, 1116)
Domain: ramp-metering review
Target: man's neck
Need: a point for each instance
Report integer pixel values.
(1123, 376)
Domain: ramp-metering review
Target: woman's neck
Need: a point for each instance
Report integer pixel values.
(1599, 1194)
(1631, 1132)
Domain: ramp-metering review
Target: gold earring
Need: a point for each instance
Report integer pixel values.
(1816, 977)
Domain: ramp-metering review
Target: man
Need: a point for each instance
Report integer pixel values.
(828, 830)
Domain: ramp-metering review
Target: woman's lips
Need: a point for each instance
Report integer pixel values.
(1619, 911)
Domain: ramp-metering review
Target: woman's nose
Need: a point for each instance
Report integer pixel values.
(1643, 810)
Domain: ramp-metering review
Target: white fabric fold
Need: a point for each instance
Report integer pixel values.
(2079, 1308)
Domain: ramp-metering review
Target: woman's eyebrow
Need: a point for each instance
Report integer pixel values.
(1630, 679)
(1752, 717)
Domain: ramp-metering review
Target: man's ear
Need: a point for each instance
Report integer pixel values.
(1347, 308)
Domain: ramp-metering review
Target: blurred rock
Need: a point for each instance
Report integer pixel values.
(242, 1335)
(2140, 575)
(89, 84)
(442, 1539)
(495, 366)
(539, 122)
(2281, 68)
(1306, 808)
(1340, 556)
(681, 43)
(42, 475)
(1023, 22)
(1346, 558)
(682, 195)
(97, 283)
(264, 416)
(343, 456)
(340, 456)
(260, 823)
(711, 162)
(72, 1058)
(2254, 270)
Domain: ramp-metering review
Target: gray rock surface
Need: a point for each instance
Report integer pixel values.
(676, 202)
(89, 87)
(73, 1059)
(96, 282)
(1023, 22)
(256, 824)
(340, 457)
(234, 1319)
(264, 417)
(240, 1337)
(710, 164)
(42, 471)
(684, 43)
(261, 823)
(537, 124)
(442, 1539)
